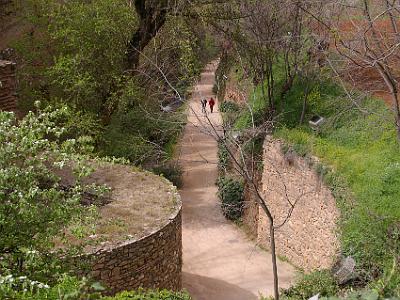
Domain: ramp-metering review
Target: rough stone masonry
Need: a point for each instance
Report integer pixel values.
(154, 261)
(309, 238)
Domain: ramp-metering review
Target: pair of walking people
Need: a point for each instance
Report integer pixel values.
(211, 103)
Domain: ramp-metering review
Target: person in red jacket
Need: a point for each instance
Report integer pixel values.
(211, 102)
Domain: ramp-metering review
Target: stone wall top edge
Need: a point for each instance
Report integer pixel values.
(129, 242)
(271, 139)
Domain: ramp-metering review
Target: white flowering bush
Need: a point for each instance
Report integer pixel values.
(9, 284)
(34, 206)
(67, 287)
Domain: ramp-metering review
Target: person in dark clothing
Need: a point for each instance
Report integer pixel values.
(211, 102)
(203, 105)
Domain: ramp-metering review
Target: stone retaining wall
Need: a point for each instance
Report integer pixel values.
(154, 261)
(8, 99)
(308, 239)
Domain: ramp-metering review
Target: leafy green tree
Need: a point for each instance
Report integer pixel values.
(80, 49)
(176, 48)
(92, 38)
(152, 17)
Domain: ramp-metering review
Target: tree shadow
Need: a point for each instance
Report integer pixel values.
(206, 288)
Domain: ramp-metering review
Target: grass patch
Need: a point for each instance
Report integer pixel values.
(150, 295)
(254, 112)
(320, 282)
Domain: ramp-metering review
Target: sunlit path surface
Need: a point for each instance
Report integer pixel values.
(219, 261)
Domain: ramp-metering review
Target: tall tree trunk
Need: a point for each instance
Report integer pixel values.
(265, 208)
(383, 67)
(303, 111)
(274, 263)
(391, 83)
(397, 114)
(152, 16)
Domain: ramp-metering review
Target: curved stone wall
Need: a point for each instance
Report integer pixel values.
(154, 261)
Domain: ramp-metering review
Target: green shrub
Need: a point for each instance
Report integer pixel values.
(319, 282)
(230, 191)
(141, 134)
(150, 295)
(230, 113)
(223, 157)
(228, 106)
(255, 112)
(121, 144)
(78, 123)
(171, 171)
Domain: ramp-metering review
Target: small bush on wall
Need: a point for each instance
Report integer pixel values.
(230, 191)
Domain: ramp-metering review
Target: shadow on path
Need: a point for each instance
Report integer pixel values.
(211, 288)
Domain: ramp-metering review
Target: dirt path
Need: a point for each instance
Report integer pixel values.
(219, 261)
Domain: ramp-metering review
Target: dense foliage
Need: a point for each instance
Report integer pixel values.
(230, 191)
(66, 287)
(73, 57)
(86, 68)
(72, 288)
(171, 171)
(76, 54)
(141, 134)
(223, 158)
(228, 106)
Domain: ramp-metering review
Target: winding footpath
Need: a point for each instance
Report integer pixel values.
(219, 260)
